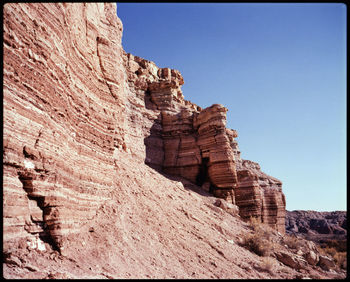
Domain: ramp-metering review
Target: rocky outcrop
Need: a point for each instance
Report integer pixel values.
(260, 195)
(217, 156)
(291, 260)
(188, 141)
(184, 140)
(84, 126)
(75, 102)
(196, 147)
(326, 263)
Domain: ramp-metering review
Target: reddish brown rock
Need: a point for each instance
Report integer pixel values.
(76, 106)
(181, 153)
(260, 195)
(216, 152)
(63, 77)
(326, 263)
(81, 119)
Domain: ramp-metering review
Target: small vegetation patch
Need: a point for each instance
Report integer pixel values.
(259, 241)
(292, 242)
(340, 258)
(267, 264)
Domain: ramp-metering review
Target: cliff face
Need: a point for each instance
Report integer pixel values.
(76, 107)
(194, 143)
(64, 115)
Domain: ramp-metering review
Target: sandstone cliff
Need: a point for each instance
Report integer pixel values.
(64, 115)
(188, 141)
(103, 156)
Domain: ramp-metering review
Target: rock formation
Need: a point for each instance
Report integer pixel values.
(259, 194)
(108, 172)
(317, 226)
(74, 102)
(188, 141)
(64, 119)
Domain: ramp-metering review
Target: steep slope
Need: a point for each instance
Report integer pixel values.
(159, 228)
(84, 146)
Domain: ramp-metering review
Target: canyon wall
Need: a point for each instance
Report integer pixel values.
(64, 115)
(75, 102)
(188, 141)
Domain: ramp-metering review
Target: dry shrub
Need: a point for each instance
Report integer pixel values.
(260, 228)
(292, 242)
(260, 241)
(257, 244)
(267, 264)
(340, 245)
(329, 251)
(254, 221)
(340, 258)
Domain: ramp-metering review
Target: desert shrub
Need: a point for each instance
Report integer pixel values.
(260, 228)
(260, 241)
(339, 245)
(267, 264)
(329, 251)
(254, 222)
(292, 242)
(257, 244)
(340, 259)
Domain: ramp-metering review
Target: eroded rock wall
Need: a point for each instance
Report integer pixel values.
(181, 139)
(260, 195)
(185, 140)
(64, 115)
(74, 102)
(215, 148)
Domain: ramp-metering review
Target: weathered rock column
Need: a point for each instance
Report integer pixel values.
(181, 153)
(260, 195)
(216, 150)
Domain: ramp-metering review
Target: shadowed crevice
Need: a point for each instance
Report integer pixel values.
(26, 179)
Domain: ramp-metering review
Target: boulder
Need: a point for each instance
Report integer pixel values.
(291, 260)
(226, 206)
(311, 257)
(326, 263)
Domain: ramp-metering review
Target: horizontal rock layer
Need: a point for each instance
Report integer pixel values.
(74, 102)
(260, 195)
(194, 143)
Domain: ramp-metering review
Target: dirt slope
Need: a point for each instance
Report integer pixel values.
(160, 228)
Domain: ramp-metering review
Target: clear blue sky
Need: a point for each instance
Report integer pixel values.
(280, 69)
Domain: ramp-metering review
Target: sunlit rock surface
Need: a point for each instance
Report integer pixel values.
(85, 123)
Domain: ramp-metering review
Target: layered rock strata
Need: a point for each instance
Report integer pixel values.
(64, 119)
(184, 140)
(260, 195)
(194, 143)
(74, 101)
